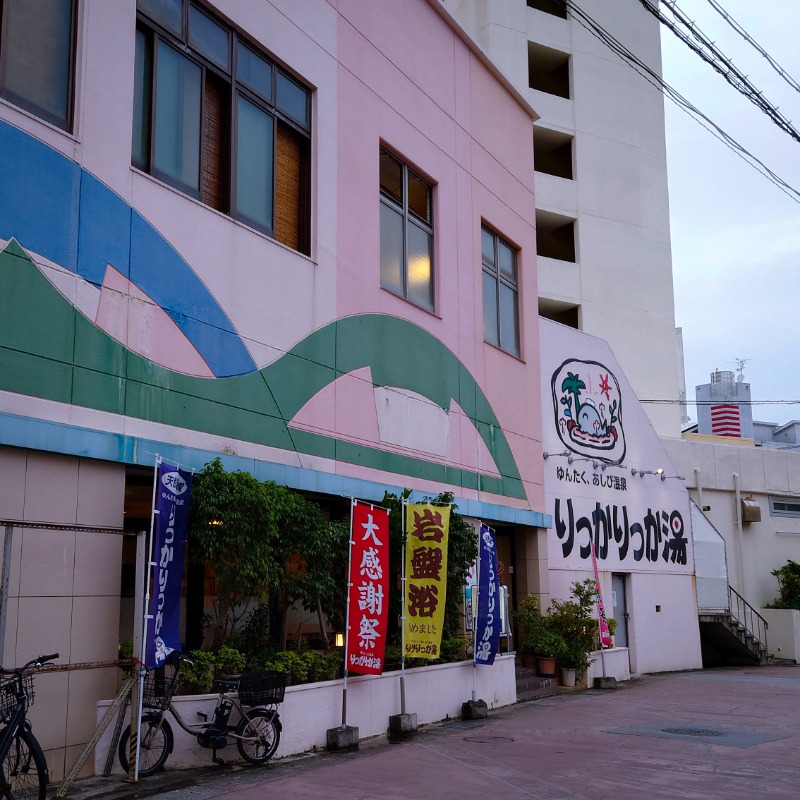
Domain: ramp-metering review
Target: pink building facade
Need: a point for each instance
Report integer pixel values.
(314, 258)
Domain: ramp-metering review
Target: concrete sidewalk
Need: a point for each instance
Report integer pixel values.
(723, 734)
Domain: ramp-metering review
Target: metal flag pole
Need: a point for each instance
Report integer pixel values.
(403, 611)
(474, 608)
(347, 615)
(597, 605)
(146, 617)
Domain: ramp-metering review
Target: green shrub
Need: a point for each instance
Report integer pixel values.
(228, 661)
(788, 586)
(543, 642)
(197, 672)
(455, 648)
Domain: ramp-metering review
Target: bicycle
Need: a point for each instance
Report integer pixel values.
(254, 696)
(23, 767)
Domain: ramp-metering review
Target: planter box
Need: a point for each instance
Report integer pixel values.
(783, 636)
(617, 663)
(309, 710)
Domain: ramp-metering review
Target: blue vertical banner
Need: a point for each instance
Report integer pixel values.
(173, 489)
(488, 623)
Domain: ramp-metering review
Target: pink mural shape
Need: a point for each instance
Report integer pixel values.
(131, 317)
(394, 420)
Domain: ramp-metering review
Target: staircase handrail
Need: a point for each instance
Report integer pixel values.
(745, 614)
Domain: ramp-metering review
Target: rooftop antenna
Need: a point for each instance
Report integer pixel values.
(740, 362)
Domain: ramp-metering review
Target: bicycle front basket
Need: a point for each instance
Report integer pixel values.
(9, 692)
(262, 688)
(160, 686)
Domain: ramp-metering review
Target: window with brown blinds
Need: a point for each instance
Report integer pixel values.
(216, 102)
(216, 118)
(291, 217)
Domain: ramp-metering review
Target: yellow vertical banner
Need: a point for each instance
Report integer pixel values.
(427, 527)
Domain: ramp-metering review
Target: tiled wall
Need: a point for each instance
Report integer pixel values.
(64, 588)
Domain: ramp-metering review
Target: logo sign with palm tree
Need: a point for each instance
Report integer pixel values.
(587, 403)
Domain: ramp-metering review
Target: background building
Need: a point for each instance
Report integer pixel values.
(602, 216)
(723, 406)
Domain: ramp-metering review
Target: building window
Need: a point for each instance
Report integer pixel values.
(548, 70)
(215, 117)
(558, 8)
(784, 506)
(555, 236)
(406, 202)
(37, 57)
(500, 292)
(552, 152)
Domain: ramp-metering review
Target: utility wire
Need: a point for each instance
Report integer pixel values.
(676, 402)
(652, 77)
(750, 40)
(699, 43)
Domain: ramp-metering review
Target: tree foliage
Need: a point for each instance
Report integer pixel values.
(267, 544)
(788, 577)
(233, 525)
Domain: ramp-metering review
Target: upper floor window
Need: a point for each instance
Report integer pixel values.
(548, 70)
(500, 292)
(37, 57)
(557, 8)
(406, 232)
(218, 119)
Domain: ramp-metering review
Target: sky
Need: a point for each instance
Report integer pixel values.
(736, 236)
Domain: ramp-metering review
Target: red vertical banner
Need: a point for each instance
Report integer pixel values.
(368, 594)
(605, 632)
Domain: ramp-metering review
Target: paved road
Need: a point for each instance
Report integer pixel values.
(722, 734)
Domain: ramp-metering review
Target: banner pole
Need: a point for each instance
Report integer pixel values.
(146, 616)
(473, 605)
(347, 615)
(598, 605)
(599, 631)
(403, 613)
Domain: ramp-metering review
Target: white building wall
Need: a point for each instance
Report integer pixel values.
(619, 491)
(712, 469)
(622, 279)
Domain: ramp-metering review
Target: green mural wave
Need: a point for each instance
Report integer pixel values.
(49, 349)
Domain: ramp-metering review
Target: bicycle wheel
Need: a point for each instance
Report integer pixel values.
(262, 732)
(24, 769)
(154, 747)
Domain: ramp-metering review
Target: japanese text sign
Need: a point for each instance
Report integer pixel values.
(488, 623)
(174, 487)
(368, 614)
(427, 527)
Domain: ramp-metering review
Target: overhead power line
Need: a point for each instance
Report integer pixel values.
(652, 77)
(699, 43)
(676, 402)
(750, 40)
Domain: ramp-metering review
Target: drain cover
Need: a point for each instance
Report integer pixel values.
(692, 732)
(488, 739)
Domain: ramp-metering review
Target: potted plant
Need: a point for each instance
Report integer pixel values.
(548, 645)
(573, 619)
(575, 660)
(529, 619)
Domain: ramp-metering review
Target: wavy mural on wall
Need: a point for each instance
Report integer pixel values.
(51, 348)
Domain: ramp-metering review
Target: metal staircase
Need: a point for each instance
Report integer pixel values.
(734, 637)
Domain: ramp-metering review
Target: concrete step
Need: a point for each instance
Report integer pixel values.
(538, 694)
